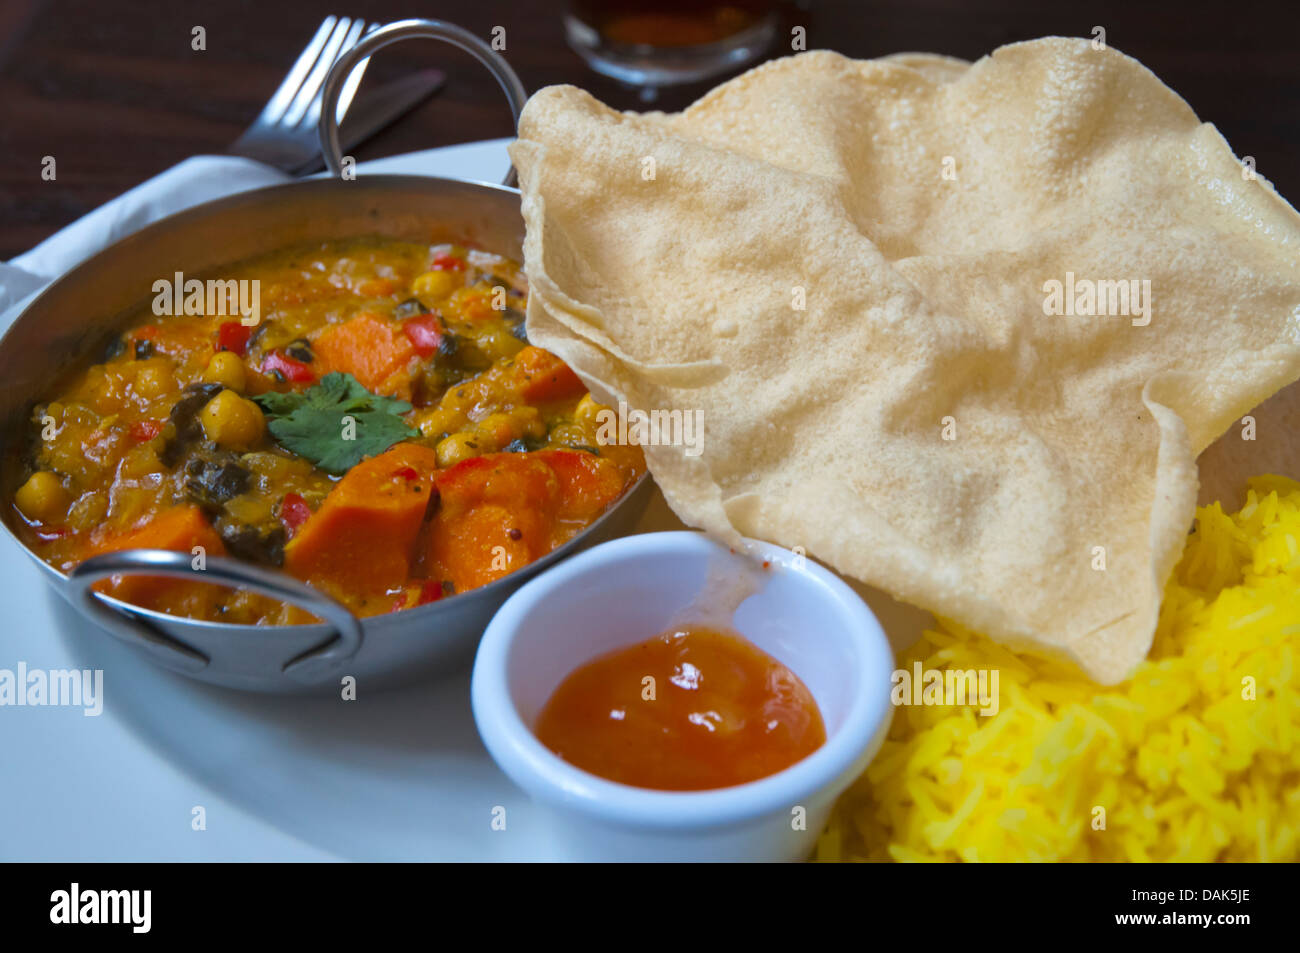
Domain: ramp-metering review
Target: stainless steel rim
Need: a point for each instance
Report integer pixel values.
(275, 658)
(308, 666)
(394, 33)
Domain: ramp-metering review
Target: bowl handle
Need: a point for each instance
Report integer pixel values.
(307, 666)
(393, 33)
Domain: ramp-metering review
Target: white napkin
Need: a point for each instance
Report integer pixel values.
(198, 179)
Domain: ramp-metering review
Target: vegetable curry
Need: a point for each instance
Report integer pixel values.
(381, 429)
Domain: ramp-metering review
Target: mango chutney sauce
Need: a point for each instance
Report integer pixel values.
(691, 709)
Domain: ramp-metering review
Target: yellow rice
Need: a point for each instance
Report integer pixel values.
(1184, 763)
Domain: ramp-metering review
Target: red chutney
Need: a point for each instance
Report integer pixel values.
(719, 712)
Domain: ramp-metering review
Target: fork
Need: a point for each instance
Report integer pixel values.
(284, 135)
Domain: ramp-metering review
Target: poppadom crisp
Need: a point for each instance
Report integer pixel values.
(959, 332)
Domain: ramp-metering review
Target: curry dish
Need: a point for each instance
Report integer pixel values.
(383, 431)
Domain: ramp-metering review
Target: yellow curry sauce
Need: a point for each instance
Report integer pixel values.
(384, 432)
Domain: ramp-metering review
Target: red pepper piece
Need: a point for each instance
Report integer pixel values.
(290, 369)
(233, 336)
(143, 431)
(294, 511)
(447, 262)
(426, 333)
(431, 591)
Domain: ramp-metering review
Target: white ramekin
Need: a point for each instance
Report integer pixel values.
(630, 590)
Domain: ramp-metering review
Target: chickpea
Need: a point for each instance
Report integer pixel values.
(497, 430)
(529, 423)
(232, 422)
(498, 343)
(570, 435)
(586, 411)
(434, 286)
(43, 498)
(458, 447)
(440, 421)
(227, 369)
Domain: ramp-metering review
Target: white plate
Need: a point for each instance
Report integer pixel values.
(394, 776)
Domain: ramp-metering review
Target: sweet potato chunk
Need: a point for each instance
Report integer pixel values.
(178, 529)
(495, 515)
(483, 544)
(372, 349)
(363, 537)
(542, 376)
(507, 478)
(587, 483)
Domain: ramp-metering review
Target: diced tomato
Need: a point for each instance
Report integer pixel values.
(289, 368)
(233, 336)
(143, 431)
(146, 332)
(447, 262)
(294, 511)
(431, 591)
(426, 333)
(408, 474)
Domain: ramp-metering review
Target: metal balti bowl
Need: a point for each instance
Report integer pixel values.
(67, 324)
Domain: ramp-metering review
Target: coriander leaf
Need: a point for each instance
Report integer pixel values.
(341, 392)
(318, 435)
(276, 405)
(312, 424)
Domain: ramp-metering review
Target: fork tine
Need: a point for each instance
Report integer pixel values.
(312, 84)
(313, 112)
(283, 96)
(350, 86)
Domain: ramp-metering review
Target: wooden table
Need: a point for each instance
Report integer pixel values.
(116, 94)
